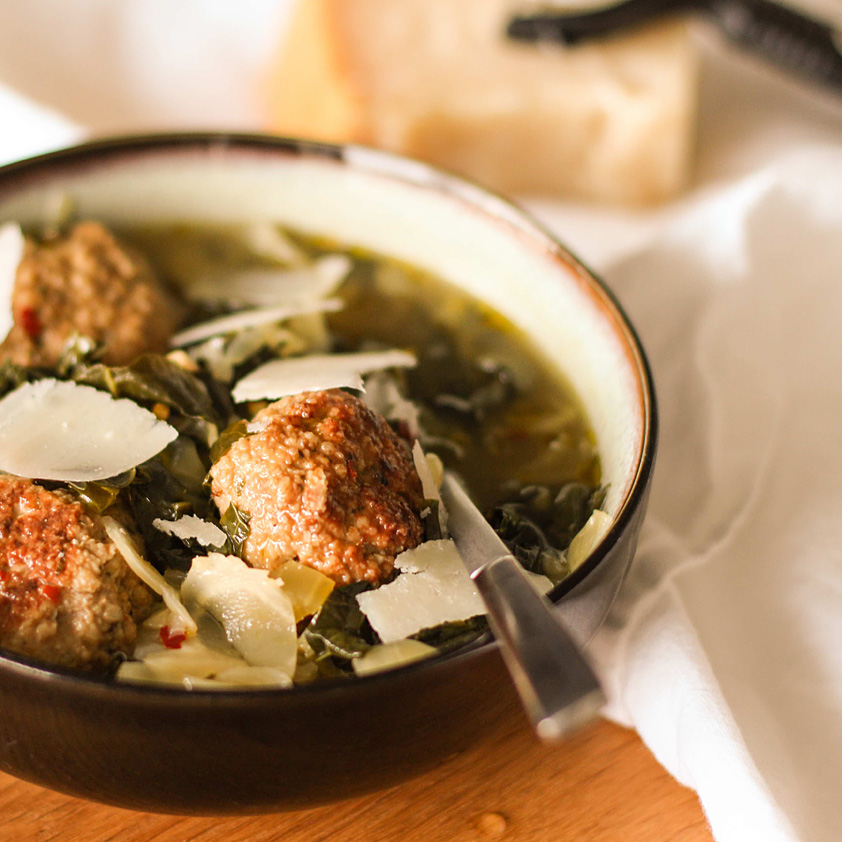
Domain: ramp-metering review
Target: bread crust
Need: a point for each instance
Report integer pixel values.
(310, 88)
(611, 122)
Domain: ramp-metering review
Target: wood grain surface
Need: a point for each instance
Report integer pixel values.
(602, 785)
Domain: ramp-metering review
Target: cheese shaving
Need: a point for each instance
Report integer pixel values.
(59, 430)
(276, 287)
(280, 378)
(190, 526)
(429, 485)
(434, 587)
(250, 318)
(384, 397)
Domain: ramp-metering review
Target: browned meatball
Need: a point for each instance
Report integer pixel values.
(90, 284)
(66, 594)
(326, 482)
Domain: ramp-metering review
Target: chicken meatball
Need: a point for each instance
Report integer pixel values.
(87, 283)
(66, 594)
(326, 482)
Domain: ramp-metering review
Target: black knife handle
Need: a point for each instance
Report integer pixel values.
(556, 684)
(779, 33)
(789, 38)
(573, 27)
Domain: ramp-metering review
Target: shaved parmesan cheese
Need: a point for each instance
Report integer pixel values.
(149, 575)
(276, 287)
(280, 378)
(190, 526)
(12, 245)
(222, 354)
(384, 398)
(251, 318)
(392, 655)
(59, 430)
(429, 485)
(434, 587)
(252, 608)
(585, 540)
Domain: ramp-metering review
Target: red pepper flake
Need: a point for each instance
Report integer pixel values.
(52, 592)
(172, 640)
(31, 322)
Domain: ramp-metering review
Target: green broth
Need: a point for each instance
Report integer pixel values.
(467, 354)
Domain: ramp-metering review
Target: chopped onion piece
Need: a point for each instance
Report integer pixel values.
(136, 671)
(276, 287)
(160, 618)
(12, 246)
(193, 660)
(59, 430)
(585, 540)
(190, 526)
(251, 318)
(306, 587)
(149, 575)
(392, 655)
(245, 675)
(279, 378)
(252, 608)
(434, 587)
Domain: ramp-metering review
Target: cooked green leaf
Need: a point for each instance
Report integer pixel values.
(540, 525)
(233, 432)
(156, 492)
(340, 629)
(100, 495)
(78, 351)
(198, 407)
(449, 636)
(236, 524)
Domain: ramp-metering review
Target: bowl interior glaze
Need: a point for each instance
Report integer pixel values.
(468, 237)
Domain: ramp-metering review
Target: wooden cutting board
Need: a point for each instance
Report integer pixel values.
(602, 785)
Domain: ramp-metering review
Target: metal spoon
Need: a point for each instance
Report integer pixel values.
(556, 684)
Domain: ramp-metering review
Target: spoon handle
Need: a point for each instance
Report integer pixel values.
(557, 686)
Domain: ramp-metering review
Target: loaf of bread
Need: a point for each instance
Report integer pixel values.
(437, 80)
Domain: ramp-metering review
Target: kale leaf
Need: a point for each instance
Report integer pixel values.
(198, 409)
(540, 525)
(235, 523)
(341, 631)
(449, 636)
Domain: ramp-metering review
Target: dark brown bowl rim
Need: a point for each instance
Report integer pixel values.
(454, 187)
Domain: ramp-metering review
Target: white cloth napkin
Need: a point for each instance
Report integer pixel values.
(724, 649)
